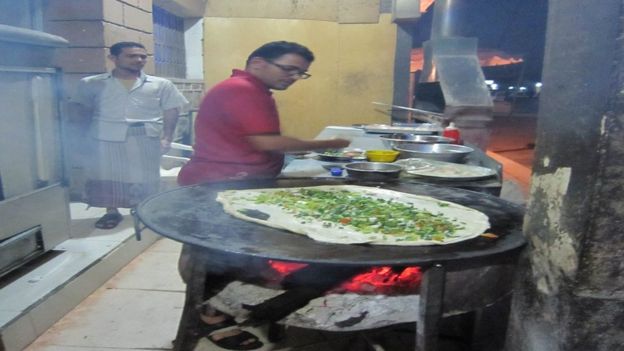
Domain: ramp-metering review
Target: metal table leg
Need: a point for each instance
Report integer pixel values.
(188, 329)
(430, 311)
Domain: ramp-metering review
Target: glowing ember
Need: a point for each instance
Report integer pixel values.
(285, 268)
(384, 280)
(378, 280)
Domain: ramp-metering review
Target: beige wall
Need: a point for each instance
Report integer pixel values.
(353, 67)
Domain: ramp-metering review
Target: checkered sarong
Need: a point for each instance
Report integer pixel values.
(122, 174)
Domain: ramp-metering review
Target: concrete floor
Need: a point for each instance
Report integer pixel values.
(139, 309)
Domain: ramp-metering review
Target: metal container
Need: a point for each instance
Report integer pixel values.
(396, 139)
(440, 152)
(382, 155)
(378, 171)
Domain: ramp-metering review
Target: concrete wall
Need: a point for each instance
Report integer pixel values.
(353, 42)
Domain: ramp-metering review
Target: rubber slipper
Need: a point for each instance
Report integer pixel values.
(109, 221)
(206, 329)
(237, 342)
(258, 334)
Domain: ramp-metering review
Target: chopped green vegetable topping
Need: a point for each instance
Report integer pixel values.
(365, 214)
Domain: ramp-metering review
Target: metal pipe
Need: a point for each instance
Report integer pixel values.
(443, 19)
(43, 171)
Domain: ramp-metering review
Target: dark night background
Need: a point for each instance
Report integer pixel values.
(515, 27)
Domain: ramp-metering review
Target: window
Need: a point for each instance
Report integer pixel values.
(169, 51)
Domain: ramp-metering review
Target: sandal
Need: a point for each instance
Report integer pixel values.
(109, 221)
(243, 340)
(235, 339)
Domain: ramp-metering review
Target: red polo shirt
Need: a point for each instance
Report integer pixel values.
(238, 107)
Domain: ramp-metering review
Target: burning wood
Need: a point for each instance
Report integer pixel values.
(332, 312)
(362, 300)
(377, 280)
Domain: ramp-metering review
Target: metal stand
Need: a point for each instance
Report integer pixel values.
(188, 329)
(430, 311)
(137, 224)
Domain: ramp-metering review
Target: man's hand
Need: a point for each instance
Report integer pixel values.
(165, 145)
(338, 143)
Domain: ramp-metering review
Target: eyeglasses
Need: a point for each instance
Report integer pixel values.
(292, 70)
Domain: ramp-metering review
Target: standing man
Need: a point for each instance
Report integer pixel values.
(237, 136)
(132, 119)
(237, 129)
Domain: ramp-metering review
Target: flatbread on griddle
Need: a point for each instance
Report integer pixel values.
(243, 204)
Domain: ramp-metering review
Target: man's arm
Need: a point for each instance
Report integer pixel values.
(284, 144)
(170, 119)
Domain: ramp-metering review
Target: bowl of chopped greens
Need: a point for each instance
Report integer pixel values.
(342, 155)
(378, 171)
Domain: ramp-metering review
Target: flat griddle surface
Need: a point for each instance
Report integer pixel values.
(192, 215)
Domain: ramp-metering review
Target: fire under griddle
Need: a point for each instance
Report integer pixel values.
(458, 277)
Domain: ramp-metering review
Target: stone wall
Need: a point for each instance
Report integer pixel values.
(91, 27)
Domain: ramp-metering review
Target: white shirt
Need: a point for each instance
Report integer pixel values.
(115, 107)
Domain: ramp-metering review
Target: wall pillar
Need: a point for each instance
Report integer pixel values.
(570, 291)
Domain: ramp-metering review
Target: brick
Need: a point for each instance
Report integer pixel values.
(134, 3)
(137, 19)
(113, 11)
(82, 60)
(79, 33)
(145, 5)
(79, 10)
(147, 40)
(150, 67)
(114, 33)
(73, 10)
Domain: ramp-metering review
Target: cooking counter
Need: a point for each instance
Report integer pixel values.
(312, 168)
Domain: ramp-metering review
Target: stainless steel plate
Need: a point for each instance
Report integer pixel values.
(444, 170)
(423, 128)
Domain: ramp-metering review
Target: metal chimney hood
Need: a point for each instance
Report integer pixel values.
(451, 67)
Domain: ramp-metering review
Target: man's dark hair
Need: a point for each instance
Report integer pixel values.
(117, 48)
(275, 49)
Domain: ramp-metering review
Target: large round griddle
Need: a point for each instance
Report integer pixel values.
(192, 215)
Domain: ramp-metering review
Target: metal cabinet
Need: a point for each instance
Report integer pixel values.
(34, 206)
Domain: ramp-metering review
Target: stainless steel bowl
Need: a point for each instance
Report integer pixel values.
(397, 139)
(440, 152)
(379, 171)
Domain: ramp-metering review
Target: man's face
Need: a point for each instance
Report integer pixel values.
(131, 59)
(281, 72)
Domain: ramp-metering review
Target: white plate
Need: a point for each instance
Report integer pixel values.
(444, 170)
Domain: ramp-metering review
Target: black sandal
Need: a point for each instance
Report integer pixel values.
(109, 221)
(237, 342)
(206, 329)
(233, 342)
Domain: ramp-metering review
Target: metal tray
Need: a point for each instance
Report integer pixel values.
(424, 128)
(444, 170)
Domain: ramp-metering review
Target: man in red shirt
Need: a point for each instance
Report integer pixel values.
(237, 136)
(237, 130)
